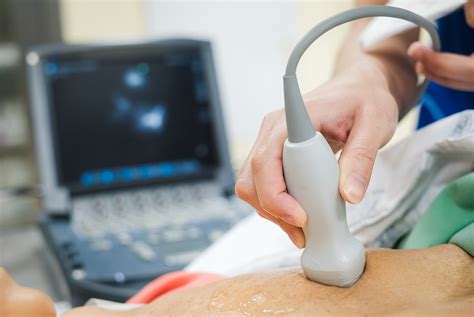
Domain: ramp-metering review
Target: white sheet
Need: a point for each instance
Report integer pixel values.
(381, 28)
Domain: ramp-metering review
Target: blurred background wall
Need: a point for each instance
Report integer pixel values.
(22, 23)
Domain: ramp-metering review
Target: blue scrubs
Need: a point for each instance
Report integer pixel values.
(439, 102)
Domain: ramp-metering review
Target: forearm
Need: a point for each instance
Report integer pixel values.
(388, 58)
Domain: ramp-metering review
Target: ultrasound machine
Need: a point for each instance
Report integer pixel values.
(133, 161)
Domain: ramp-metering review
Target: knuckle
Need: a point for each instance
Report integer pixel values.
(243, 189)
(270, 118)
(280, 120)
(273, 117)
(258, 163)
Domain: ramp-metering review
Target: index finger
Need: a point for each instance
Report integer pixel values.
(449, 65)
(269, 182)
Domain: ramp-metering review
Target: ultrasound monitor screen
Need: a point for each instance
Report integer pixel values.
(125, 118)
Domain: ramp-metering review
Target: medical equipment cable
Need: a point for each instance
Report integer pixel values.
(298, 123)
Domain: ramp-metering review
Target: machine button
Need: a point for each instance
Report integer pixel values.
(173, 235)
(194, 232)
(78, 274)
(182, 258)
(143, 250)
(214, 234)
(124, 238)
(154, 238)
(101, 245)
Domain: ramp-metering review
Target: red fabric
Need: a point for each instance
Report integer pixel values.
(172, 282)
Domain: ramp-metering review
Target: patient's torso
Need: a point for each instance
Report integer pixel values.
(439, 280)
(393, 281)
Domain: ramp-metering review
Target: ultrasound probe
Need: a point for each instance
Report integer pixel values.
(332, 255)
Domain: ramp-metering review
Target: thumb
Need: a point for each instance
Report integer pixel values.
(356, 163)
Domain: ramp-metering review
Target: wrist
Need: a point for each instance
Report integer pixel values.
(400, 79)
(367, 73)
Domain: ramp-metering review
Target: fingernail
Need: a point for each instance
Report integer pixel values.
(354, 188)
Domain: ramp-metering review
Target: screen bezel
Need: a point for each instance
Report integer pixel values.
(222, 172)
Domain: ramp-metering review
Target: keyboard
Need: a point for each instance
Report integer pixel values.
(134, 234)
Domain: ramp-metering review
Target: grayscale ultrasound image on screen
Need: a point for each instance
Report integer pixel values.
(128, 119)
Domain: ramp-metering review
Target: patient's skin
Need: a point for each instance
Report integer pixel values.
(435, 281)
(17, 301)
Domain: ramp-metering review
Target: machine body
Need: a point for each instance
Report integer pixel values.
(332, 255)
